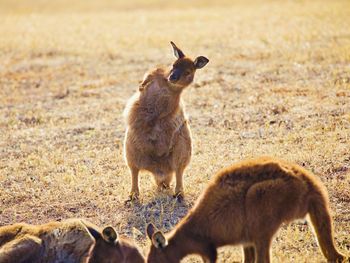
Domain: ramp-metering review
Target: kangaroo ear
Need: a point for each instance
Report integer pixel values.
(159, 240)
(150, 230)
(93, 230)
(109, 234)
(200, 62)
(177, 52)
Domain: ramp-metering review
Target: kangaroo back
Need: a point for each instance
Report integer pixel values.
(21, 250)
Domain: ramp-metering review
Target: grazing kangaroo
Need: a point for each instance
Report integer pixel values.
(158, 137)
(245, 204)
(70, 241)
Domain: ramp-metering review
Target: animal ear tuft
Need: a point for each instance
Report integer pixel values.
(177, 52)
(159, 240)
(200, 62)
(109, 234)
(150, 230)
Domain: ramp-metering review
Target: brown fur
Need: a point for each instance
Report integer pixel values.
(70, 241)
(158, 137)
(245, 204)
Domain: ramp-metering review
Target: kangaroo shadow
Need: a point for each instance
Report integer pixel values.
(162, 210)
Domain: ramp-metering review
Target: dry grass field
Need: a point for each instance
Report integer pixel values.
(278, 83)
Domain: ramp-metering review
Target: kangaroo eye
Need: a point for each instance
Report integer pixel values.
(187, 73)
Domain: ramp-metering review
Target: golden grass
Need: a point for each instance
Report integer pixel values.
(278, 83)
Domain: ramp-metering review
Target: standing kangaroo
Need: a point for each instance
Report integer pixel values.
(245, 204)
(158, 137)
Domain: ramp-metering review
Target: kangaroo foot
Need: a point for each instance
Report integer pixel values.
(133, 197)
(179, 195)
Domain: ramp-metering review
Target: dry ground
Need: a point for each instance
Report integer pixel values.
(278, 83)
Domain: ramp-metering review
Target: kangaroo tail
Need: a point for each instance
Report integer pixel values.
(322, 222)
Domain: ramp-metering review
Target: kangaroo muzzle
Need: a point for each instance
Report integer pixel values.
(174, 76)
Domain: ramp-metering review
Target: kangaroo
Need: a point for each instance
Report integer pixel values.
(245, 204)
(69, 241)
(158, 137)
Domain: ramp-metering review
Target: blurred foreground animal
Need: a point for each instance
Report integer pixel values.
(70, 241)
(158, 137)
(245, 204)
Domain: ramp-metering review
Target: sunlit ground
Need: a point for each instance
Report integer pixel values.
(278, 83)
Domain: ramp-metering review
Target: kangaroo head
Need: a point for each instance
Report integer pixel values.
(159, 251)
(182, 73)
(109, 249)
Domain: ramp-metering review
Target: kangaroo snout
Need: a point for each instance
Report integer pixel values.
(174, 76)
